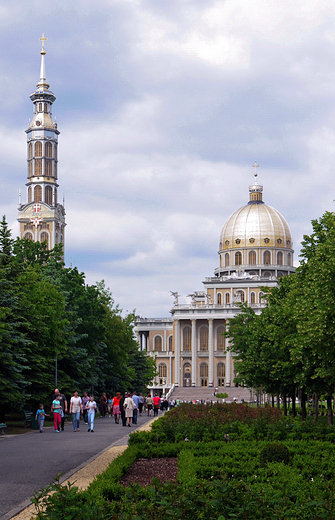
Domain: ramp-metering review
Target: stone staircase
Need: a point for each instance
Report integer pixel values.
(207, 393)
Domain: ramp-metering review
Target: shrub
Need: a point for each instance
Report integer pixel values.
(275, 452)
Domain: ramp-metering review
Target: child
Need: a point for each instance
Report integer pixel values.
(40, 416)
(92, 408)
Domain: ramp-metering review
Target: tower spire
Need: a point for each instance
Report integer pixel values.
(42, 83)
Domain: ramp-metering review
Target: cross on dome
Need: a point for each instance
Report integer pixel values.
(255, 166)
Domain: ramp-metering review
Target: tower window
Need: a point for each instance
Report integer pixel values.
(279, 241)
(238, 258)
(238, 241)
(266, 240)
(251, 240)
(48, 150)
(38, 194)
(38, 149)
(38, 167)
(44, 238)
(267, 258)
(55, 151)
(55, 170)
(226, 243)
(288, 258)
(55, 195)
(30, 151)
(29, 194)
(279, 258)
(252, 258)
(45, 108)
(30, 169)
(48, 167)
(40, 107)
(226, 259)
(48, 195)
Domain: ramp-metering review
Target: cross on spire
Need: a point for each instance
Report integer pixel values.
(43, 39)
(255, 166)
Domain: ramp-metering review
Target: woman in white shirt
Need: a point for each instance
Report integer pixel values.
(76, 408)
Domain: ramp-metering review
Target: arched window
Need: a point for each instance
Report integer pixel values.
(48, 167)
(203, 374)
(40, 107)
(266, 274)
(288, 258)
(44, 238)
(219, 297)
(187, 338)
(220, 339)
(45, 108)
(48, 195)
(30, 151)
(38, 149)
(37, 193)
(204, 337)
(227, 298)
(48, 150)
(279, 258)
(29, 194)
(158, 344)
(238, 258)
(38, 167)
(55, 170)
(226, 259)
(170, 343)
(30, 169)
(252, 298)
(221, 374)
(252, 258)
(267, 257)
(55, 152)
(162, 370)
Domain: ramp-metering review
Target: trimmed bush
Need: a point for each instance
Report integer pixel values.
(275, 452)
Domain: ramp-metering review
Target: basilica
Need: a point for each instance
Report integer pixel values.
(42, 217)
(255, 250)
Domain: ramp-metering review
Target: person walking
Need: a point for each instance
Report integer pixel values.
(116, 407)
(103, 404)
(149, 403)
(84, 402)
(157, 402)
(63, 402)
(122, 409)
(141, 403)
(76, 408)
(91, 409)
(110, 405)
(129, 405)
(40, 416)
(56, 409)
(136, 400)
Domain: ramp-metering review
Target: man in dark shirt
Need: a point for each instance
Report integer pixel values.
(63, 402)
(123, 413)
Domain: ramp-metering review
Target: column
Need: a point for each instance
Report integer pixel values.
(177, 354)
(228, 368)
(194, 352)
(143, 338)
(210, 352)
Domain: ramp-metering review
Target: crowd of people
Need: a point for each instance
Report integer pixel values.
(124, 408)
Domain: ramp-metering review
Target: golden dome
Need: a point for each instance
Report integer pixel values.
(256, 225)
(256, 239)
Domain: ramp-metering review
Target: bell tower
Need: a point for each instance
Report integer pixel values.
(42, 217)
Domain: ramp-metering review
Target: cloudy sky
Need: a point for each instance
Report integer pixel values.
(163, 106)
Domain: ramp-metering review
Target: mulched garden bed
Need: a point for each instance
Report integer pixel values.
(144, 470)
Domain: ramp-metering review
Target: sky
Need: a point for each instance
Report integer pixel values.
(163, 107)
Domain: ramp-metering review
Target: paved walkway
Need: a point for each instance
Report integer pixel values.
(31, 461)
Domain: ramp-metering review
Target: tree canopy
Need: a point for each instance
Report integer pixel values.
(49, 315)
